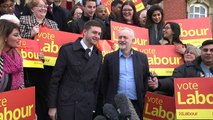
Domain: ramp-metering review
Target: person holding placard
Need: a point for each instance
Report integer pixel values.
(30, 23)
(201, 66)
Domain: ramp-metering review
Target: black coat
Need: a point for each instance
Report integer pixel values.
(60, 16)
(74, 85)
(110, 76)
(76, 26)
(189, 69)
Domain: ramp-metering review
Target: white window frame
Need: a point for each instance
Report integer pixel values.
(199, 6)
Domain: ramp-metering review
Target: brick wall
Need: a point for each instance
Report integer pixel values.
(174, 9)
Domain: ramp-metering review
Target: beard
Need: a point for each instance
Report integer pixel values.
(122, 47)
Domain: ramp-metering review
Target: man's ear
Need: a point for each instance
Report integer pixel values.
(84, 31)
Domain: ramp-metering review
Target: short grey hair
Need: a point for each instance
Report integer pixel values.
(132, 33)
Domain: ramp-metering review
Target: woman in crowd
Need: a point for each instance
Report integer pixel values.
(7, 7)
(11, 68)
(166, 86)
(33, 76)
(30, 24)
(129, 14)
(76, 13)
(171, 34)
(155, 23)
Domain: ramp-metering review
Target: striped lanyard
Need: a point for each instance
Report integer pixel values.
(1, 67)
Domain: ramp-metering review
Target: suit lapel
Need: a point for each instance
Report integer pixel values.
(94, 58)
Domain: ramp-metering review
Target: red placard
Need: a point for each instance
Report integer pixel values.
(18, 104)
(30, 53)
(195, 31)
(158, 107)
(141, 34)
(194, 98)
(50, 42)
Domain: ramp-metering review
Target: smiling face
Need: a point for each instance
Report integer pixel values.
(125, 40)
(127, 13)
(89, 8)
(167, 31)
(92, 35)
(189, 56)
(40, 10)
(13, 39)
(156, 16)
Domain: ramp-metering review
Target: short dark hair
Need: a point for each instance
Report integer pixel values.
(91, 23)
(207, 42)
(116, 2)
(84, 1)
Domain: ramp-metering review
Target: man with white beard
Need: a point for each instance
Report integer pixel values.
(125, 71)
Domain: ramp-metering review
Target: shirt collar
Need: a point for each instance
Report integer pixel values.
(85, 46)
(121, 54)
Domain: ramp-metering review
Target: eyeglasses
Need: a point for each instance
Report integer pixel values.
(42, 6)
(127, 10)
(6, 6)
(189, 52)
(206, 50)
(78, 13)
(166, 28)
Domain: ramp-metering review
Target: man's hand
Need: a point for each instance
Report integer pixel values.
(52, 113)
(153, 84)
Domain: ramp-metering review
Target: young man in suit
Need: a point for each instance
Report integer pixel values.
(125, 71)
(74, 85)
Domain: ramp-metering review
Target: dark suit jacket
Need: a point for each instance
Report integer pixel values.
(74, 84)
(110, 75)
(59, 15)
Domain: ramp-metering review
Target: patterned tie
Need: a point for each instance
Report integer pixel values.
(1, 67)
(87, 53)
(49, 8)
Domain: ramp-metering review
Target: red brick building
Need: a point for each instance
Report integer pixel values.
(180, 9)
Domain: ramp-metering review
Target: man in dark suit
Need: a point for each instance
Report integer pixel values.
(57, 14)
(125, 71)
(74, 85)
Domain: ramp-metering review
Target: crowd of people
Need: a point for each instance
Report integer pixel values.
(81, 80)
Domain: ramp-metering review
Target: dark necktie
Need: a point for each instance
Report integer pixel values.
(1, 66)
(87, 53)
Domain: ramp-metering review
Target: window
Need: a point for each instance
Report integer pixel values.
(198, 11)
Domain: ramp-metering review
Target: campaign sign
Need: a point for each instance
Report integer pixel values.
(194, 98)
(30, 51)
(159, 107)
(18, 104)
(193, 32)
(50, 42)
